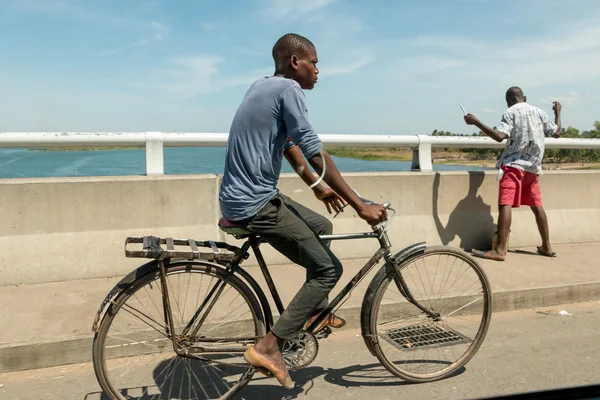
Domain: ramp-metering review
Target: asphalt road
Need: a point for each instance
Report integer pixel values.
(524, 351)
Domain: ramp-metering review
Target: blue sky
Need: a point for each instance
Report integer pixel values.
(387, 66)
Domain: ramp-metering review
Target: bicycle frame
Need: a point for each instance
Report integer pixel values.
(379, 232)
(383, 251)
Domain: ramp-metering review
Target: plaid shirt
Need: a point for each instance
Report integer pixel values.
(527, 127)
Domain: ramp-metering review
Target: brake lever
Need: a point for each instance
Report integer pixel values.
(339, 212)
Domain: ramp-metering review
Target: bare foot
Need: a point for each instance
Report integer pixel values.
(266, 355)
(490, 255)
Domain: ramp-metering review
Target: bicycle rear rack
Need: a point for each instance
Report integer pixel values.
(188, 249)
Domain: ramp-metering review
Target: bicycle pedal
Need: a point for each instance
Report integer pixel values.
(323, 333)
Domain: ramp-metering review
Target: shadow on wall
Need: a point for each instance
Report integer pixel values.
(471, 220)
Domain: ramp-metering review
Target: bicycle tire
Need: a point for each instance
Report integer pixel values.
(372, 305)
(206, 269)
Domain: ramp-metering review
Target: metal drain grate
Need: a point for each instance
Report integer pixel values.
(419, 336)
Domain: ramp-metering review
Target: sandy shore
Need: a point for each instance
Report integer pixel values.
(441, 157)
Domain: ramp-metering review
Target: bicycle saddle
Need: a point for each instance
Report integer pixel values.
(233, 228)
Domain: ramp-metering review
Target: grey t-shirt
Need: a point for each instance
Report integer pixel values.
(272, 116)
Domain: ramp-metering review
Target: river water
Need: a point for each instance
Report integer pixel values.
(24, 163)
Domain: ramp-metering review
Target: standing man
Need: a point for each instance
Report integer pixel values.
(525, 127)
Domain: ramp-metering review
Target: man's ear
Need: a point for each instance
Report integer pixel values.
(525, 99)
(294, 62)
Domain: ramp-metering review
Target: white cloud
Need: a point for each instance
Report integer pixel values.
(427, 64)
(286, 9)
(568, 99)
(209, 26)
(158, 35)
(62, 7)
(159, 26)
(197, 75)
(141, 43)
(87, 11)
(571, 55)
(335, 25)
(446, 43)
(244, 79)
(188, 75)
(342, 69)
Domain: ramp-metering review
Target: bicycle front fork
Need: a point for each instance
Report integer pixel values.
(404, 291)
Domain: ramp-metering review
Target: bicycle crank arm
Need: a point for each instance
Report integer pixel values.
(217, 349)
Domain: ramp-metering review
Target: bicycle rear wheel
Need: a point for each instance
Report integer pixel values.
(133, 350)
(429, 344)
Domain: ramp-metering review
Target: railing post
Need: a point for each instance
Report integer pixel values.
(155, 161)
(421, 159)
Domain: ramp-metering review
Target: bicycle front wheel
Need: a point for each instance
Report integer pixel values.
(133, 352)
(429, 316)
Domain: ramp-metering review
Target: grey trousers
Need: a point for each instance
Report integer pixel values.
(294, 230)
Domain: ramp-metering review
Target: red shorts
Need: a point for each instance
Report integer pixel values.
(518, 187)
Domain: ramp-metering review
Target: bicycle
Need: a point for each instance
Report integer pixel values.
(401, 318)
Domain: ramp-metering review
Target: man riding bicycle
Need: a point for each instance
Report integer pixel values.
(272, 121)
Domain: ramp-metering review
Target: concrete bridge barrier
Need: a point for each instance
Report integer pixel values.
(59, 229)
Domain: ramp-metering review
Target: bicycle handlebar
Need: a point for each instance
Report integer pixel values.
(386, 204)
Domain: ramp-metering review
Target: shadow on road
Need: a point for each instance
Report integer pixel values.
(367, 375)
(524, 252)
(371, 375)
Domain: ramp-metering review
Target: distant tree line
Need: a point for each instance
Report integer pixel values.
(551, 155)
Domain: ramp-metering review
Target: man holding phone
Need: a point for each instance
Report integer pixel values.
(520, 165)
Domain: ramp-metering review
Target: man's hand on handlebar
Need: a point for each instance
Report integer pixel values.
(373, 213)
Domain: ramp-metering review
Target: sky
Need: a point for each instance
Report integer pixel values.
(386, 66)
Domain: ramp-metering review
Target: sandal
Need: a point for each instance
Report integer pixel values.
(332, 321)
(541, 252)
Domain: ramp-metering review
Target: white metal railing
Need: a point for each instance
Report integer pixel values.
(154, 142)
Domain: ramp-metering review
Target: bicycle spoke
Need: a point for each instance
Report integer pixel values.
(423, 316)
(164, 327)
(218, 288)
(451, 286)
(413, 280)
(447, 278)
(421, 347)
(437, 265)
(139, 342)
(458, 309)
(155, 306)
(170, 287)
(199, 382)
(185, 300)
(428, 280)
(166, 368)
(207, 297)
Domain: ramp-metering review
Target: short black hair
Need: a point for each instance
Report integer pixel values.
(288, 45)
(514, 94)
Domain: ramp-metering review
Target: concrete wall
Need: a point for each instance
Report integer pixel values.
(74, 228)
